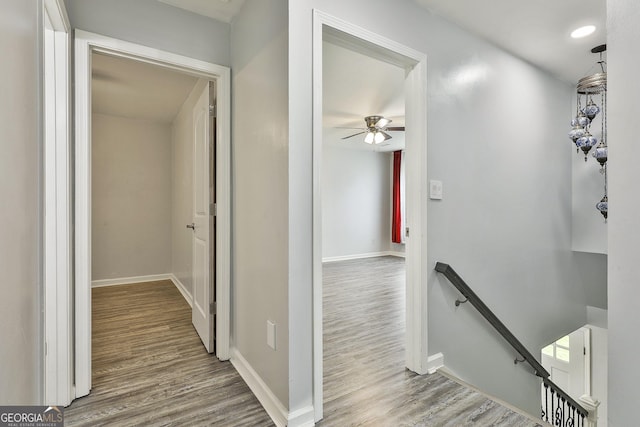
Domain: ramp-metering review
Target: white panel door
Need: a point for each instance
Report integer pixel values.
(202, 282)
(566, 362)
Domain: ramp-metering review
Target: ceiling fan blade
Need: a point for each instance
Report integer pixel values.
(386, 135)
(395, 128)
(355, 134)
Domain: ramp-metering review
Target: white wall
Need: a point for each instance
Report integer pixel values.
(260, 190)
(589, 229)
(356, 200)
(624, 235)
(592, 273)
(505, 221)
(21, 332)
(182, 189)
(131, 197)
(155, 24)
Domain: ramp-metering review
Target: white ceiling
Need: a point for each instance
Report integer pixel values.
(128, 88)
(537, 31)
(221, 10)
(355, 86)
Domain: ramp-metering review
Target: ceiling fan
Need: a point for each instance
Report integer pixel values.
(376, 130)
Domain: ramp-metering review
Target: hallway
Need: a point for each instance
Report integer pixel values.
(150, 367)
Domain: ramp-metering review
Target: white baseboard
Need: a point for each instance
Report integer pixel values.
(361, 256)
(276, 410)
(130, 280)
(396, 253)
(183, 290)
(435, 362)
(142, 279)
(303, 417)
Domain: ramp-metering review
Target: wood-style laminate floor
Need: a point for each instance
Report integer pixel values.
(150, 368)
(365, 381)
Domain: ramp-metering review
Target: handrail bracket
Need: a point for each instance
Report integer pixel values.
(458, 302)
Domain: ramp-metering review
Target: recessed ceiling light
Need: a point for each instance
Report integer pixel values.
(583, 31)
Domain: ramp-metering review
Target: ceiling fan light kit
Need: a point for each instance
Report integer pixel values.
(369, 138)
(375, 132)
(376, 121)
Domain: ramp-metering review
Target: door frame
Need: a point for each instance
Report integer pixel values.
(57, 327)
(85, 44)
(415, 64)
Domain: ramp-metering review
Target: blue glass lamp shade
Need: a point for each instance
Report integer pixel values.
(581, 120)
(585, 143)
(603, 206)
(600, 153)
(591, 110)
(576, 133)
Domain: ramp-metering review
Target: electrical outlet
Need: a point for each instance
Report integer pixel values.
(271, 334)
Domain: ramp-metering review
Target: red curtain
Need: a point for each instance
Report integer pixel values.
(396, 224)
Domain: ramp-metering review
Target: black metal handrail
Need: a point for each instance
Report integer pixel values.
(486, 312)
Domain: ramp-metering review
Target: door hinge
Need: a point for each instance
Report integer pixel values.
(212, 110)
(213, 209)
(407, 232)
(213, 308)
(584, 351)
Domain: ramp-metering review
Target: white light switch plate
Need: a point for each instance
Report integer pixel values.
(435, 190)
(271, 334)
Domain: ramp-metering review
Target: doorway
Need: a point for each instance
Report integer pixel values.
(414, 65)
(151, 176)
(577, 363)
(88, 44)
(363, 241)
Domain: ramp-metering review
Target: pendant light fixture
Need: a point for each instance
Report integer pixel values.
(590, 119)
